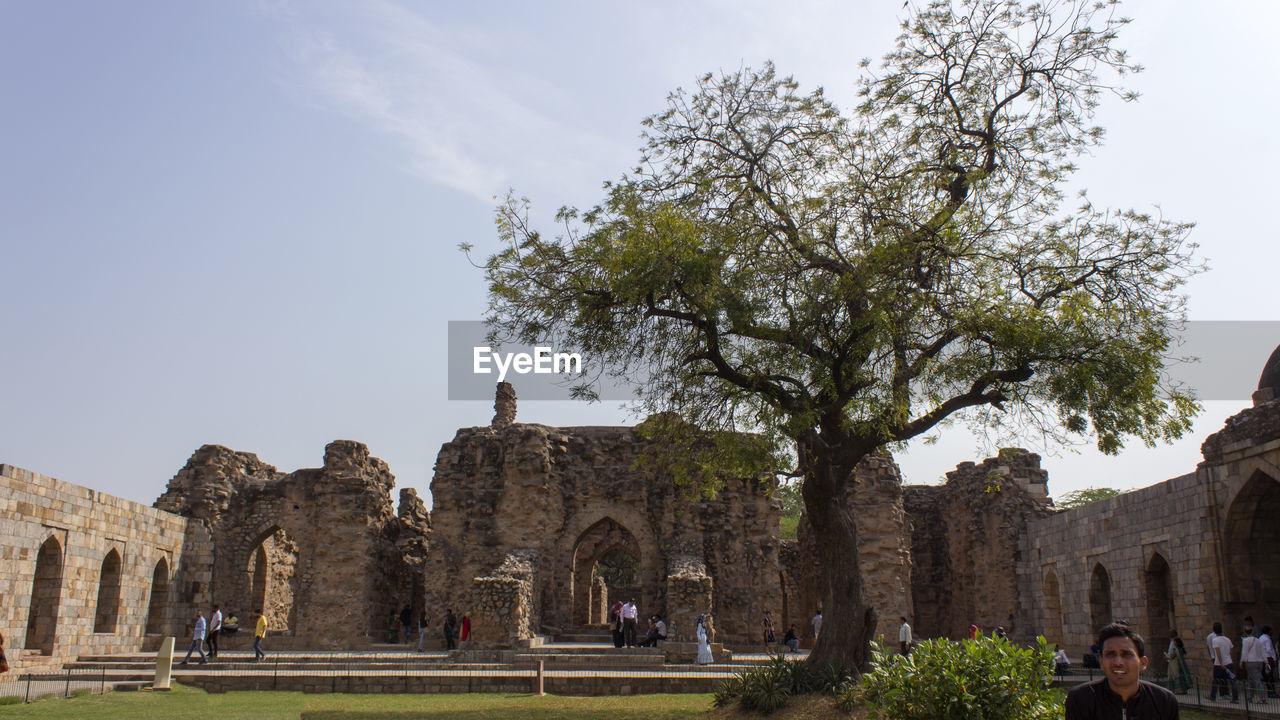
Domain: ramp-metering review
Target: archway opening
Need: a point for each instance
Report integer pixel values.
(1099, 599)
(605, 568)
(158, 605)
(108, 608)
(1250, 538)
(1052, 610)
(273, 581)
(46, 596)
(1159, 592)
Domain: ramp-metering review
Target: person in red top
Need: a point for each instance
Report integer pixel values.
(466, 627)
(1121, 694)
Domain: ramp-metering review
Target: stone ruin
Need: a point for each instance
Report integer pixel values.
(537, 529)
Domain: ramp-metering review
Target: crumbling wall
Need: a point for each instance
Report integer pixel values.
(338, 557)
(967, 543)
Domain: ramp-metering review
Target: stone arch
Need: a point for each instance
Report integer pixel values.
(158, 604)
(271, 571)
(1099, 598)
(46, 597)
(107, 613)
(1250, 536)
(601, 538)
(1052, 609)
(1158, 587)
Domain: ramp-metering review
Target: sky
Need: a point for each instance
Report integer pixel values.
(237, 222)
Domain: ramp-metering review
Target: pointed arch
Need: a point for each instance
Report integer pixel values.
(596, 542)
(158, 604)
(272, 570)
(1052, 609)
(1099, 598)
(46, 598)
(1159, 595)
(108, 607)
(1250, 536)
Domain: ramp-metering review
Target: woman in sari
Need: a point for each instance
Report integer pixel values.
(1179, 680)
(704, 644)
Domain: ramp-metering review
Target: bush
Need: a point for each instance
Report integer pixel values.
(768, 688)
(983, 679)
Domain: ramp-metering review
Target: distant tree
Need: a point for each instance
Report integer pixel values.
(836, 284)
(1076, 498)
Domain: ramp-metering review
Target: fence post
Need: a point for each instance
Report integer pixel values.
(275, 671)
(27, 699)
(67, 692)
(541, 692)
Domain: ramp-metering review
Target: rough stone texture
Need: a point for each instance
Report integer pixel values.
(74, 530)
(504, 405)
(573, 494)
(967, 542)
(335, 551)
(884, 554)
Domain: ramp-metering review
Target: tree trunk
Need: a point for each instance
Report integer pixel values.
(847, 622)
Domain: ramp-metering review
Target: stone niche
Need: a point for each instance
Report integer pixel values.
(590, 528)
(320, 551)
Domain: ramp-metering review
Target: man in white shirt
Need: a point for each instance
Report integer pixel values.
(629, 623)
(197, 640)
(1220, 649)
(215, 629)
(817, 626)
(1252, 658)
(1269, 670)
(904, 637)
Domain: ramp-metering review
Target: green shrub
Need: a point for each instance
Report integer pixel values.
(833, 679)
(10, 700)
(984, 679)
(767, 689)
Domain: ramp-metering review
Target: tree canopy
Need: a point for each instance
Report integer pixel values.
(837, 282)
(1077, 498)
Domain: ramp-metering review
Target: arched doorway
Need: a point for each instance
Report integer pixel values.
(1251, 535)
(1099, 599)
(46, 597)
(158, 605)
(1159, 592)
(604, 559)
(108, 608)
(1052, 610)
(273, 580)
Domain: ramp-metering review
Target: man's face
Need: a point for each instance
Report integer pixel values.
(1121, 663)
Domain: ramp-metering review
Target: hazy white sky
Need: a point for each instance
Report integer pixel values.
(236, 222)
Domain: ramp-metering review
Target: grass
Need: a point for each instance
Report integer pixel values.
(186, 703)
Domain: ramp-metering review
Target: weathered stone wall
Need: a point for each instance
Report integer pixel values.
(572, 495)
(966, 540)
(338, 557)
(78, 528)
(884, 553)
(1180, 554)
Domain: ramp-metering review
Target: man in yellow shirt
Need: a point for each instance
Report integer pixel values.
(259, 632)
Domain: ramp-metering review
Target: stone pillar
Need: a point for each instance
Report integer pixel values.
(599, 601)
(504, 405)
(501, 615)
(688, 596)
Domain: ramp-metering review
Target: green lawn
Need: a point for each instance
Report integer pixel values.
(185, 703)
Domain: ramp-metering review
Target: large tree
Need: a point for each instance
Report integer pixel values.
(844, 282)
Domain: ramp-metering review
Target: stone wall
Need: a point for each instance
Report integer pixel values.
(884, 554)
(573, 494)
(966, 540)
(338, 559)
(73, 531)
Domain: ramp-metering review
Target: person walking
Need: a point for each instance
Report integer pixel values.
(422, 623)
(259, 632)
(450, 630)
(1179, 680)
(1220, 648)
(1269, 670)
(704, 643)
(466, 628)
(215, 629)
(817, 627)
(1253, 659)
(769, 638)
(197, 640)
(904, 637)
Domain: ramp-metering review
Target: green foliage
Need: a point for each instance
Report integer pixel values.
(837, 282)
(1076, 498)
(987, 678)
(10, 700)
(768, 688)
(833, 679)
(789, 528)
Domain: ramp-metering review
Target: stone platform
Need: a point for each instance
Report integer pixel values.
(568, 669)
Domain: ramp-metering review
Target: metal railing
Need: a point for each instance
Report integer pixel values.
(57, 683)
